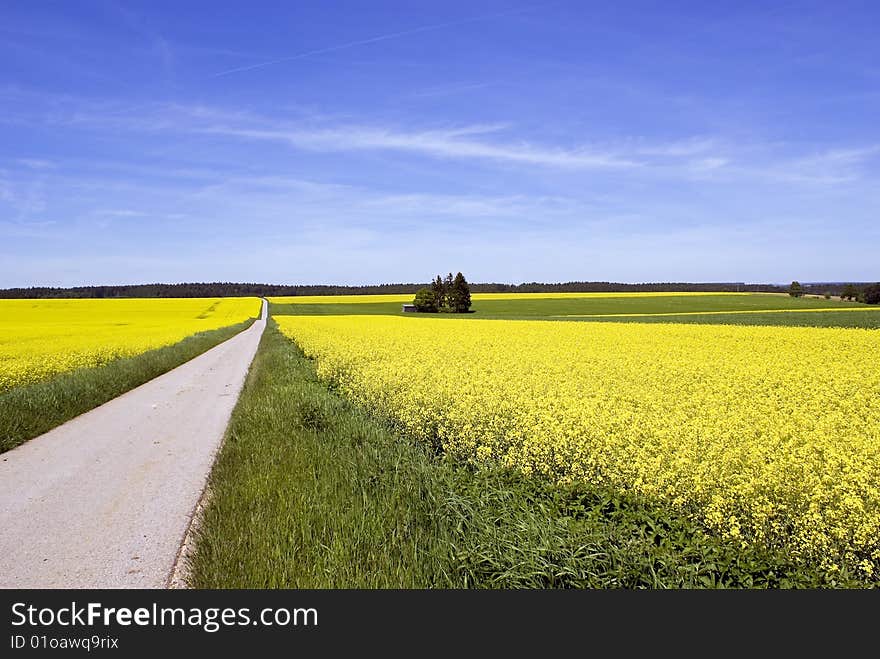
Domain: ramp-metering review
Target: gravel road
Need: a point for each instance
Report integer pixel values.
(104, 501)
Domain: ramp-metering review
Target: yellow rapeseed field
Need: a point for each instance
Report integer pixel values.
(765, 434)
(42, 338)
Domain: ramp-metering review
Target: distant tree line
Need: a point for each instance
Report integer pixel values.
(213, 289)
(869, 294)
(231, 289)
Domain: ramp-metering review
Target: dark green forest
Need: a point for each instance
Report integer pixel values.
(231, 289)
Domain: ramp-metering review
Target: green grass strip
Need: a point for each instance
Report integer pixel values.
(29, 411)
(709, 313)
(310, 491)
(713, 310)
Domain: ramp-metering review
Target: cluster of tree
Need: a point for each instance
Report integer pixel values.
(451, 295)
(869, 294)
(850, 292)
(232, 289)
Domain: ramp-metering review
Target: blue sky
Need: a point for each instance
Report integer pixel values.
(369, 142)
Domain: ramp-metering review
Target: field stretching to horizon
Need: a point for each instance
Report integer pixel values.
(59, 357)
(649, 440)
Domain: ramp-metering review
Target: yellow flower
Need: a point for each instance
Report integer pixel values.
(771, 434)
(43, 338)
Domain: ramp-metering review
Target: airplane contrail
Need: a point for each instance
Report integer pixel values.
(382, 37)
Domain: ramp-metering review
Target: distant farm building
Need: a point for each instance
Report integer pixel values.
(409, 308)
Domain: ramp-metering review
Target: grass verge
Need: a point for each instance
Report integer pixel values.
(31, 410)
(310, 491)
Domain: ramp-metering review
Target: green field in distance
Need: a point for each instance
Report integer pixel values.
(723, 308)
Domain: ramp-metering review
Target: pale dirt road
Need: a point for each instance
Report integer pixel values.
(104, 501)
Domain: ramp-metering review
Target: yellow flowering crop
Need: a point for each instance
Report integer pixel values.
(42, 338)
(765, 434)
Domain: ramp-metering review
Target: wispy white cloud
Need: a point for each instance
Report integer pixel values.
(828, 167)
(119, 212)
(716, 158)
(840, 157)
(36, 163)
(678, 148)
(436, 143)
(472, 206)
(707, 164)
